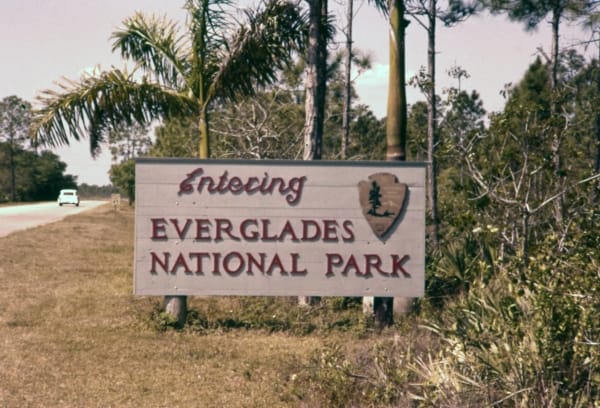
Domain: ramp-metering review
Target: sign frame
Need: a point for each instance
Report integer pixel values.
(279, 228)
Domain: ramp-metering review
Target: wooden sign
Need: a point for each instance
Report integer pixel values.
(289, 228)
(116, 201)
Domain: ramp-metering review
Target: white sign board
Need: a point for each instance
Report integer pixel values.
(289, 228)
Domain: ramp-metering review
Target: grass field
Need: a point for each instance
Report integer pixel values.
(73, 335)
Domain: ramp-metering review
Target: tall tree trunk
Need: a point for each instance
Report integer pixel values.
(13, 177)
(316, 87)
(597, 130)
(315, 81)
(554, 109)
(395, 129)
(432, 125)
(525, 244)
(396, 103)
(204, 147)
(556, 16)
(176, 306)
(347, 84)
(11, 160)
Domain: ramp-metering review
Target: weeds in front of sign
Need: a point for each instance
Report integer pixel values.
(275, 314)
(160, 320)
(340, 376)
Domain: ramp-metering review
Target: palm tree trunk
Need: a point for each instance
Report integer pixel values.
(176, 306)
(396, 103)
(383, 308)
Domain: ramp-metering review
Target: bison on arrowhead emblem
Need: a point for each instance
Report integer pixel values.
(382, 200)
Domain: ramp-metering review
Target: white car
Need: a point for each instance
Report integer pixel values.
(68, 196)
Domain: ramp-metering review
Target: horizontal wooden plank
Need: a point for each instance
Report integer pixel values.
(315, 199)
(297, 227)
(340, 174)
(315, 281)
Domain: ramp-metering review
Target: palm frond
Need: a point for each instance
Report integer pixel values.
(99, 102)
(154, 45)
(260, 49)
(382, 6)
(208, 24)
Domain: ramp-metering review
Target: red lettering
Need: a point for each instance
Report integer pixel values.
(260, 264)
(206, 181)
(164, 264)
(373, 261)
(397, 263)
(263, 185)
(224, 226)
(181, 232)
(330, 231)
(277, 180)
(306, 233)
(276, 263)
(235, 185)
(159, 227)
(352, 264)
(199, 256)
(291, 189)
(222, 181)
(288, 230)
(180, 262)
(230, 258)
(296, 186)
(248, 188)
(347, 225)
(265, 232)
(216, 259)
(333, 260)
(202, 229)
(185, 186)
(252, 236)
(295, 271)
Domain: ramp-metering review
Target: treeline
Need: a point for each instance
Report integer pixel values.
(32, 176)
(26, 172)
(39, 177)
(98, 192)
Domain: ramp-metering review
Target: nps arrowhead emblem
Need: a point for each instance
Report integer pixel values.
(382, 200)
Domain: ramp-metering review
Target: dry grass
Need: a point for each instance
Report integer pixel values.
(73, 335)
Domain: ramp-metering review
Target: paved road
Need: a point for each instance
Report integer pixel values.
(19, 217)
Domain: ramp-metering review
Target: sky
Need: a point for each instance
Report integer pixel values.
(42, 41)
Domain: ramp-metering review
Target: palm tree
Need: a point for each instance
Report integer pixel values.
(175, 75)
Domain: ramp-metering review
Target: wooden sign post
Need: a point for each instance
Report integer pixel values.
(279, 228)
